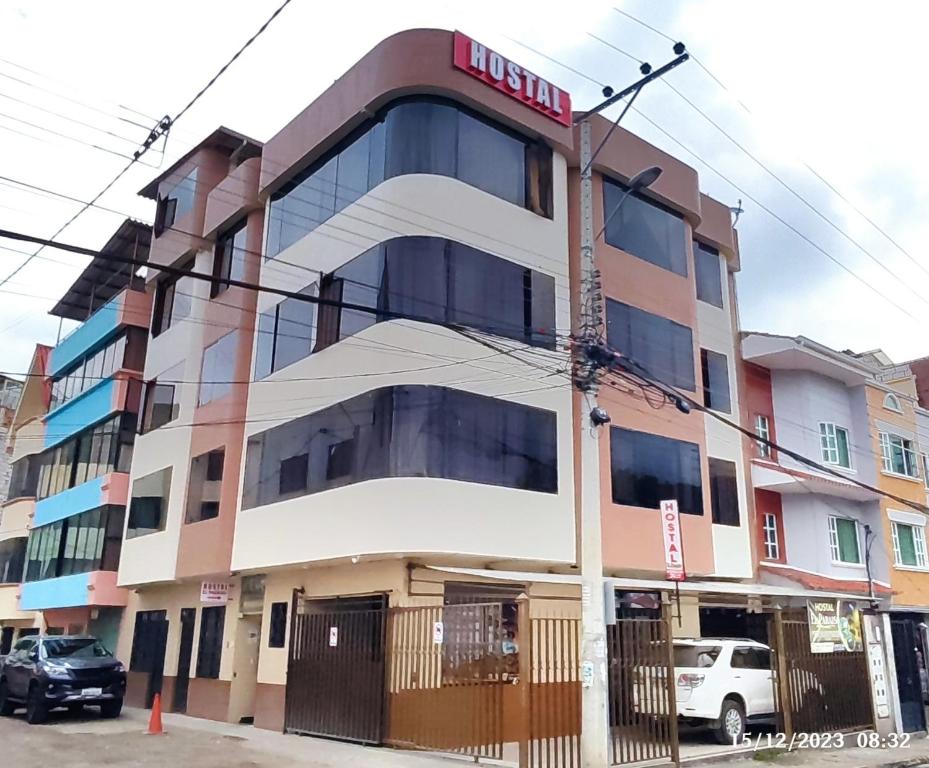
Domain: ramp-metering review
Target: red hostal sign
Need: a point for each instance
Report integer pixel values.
(510, 78)
(673, 547)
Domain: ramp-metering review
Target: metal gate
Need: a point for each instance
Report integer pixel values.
(554, 691)
(642, 709)
(907, 643)
(819, 692)
(335, 671)
(446, 677)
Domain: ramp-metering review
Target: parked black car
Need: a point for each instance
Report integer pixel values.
(42, 673)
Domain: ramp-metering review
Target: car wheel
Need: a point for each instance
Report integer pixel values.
(7, 707)
(731, 723)
(111, 708)
(36, 710)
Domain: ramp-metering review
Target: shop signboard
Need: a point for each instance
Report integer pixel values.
(835, 626)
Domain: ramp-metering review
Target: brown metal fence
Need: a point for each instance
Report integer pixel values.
(335, 673)
(446, 677)
(820, 691)
(554, 693)
(643, 713)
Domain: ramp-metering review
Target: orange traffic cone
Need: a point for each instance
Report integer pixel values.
(154, 722)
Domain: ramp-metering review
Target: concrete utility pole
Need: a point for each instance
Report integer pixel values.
(594, 720)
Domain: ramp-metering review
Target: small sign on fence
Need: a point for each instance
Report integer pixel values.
(333, 637)
(438, 632)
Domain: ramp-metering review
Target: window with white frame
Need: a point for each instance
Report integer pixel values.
(772, 548)
(926, 469)
(892, 403)
(844, 540)
(763, 430)
(834, 443)
(909, 545)
(898, 455)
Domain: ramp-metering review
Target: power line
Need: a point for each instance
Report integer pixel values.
(806, 165)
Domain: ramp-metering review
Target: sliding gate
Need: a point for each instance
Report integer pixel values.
(335, 672)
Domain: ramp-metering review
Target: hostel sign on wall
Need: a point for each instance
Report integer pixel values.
(673, 546)
(507, 76)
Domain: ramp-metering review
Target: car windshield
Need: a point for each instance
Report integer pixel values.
(699, 656)
(77, 648)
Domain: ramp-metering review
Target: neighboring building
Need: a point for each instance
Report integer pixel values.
(10, 392)
(24, 444)
(94, 380)
(814, 528)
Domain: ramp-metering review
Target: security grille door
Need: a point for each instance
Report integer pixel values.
(909, 678)
(335, 673)
(182, 682)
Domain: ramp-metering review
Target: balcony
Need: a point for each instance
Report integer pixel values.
(83, 411)
(774, 477)
(96, 588)
(106, 489)
(128, 307)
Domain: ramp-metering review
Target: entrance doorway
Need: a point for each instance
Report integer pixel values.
(149, 641)
(245, 669)
(335, 670)
(185, 651)
(910, 660)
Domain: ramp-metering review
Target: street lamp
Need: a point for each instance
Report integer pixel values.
(638, 182)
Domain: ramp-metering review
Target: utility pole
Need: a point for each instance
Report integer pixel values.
(594, 684)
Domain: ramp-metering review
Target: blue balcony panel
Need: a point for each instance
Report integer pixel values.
(91, 406)
(100, 325)
(63, 592)
(73, 501)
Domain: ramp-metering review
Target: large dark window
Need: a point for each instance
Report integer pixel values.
(413, 136)
(709, 280)
(724, 492)
(647, 469)
(277, 632)
(205, 486)
(218, 368)
(429, 278)
(229, 257)
(125, 351)
(663, 347)
(162, 398)
(12, 560)
(148, 506)
(90, 541)
(24, 477)
(97, 451)
(715, 381)
(644, 228)
(175, 203)
(173, 300)
(404, 431)
(210, 651)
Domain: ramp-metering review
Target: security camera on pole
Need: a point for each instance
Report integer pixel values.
(589, 360)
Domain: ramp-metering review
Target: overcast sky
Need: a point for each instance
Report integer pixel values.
(836, 86)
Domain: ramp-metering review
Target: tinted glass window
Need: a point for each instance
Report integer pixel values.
(89, 541)
(205, 486)
(408, 431)
(277, 634)
(724, 492)
(148, 507)
(229, 257)
(700, 656)
(644, 229)
(747, 657)
(663, 347)
(24, 477)
(709, 280)
(413, 136)
(648, 469)
(162, 398)
(12, 560)
(217, 369)
(715, 381)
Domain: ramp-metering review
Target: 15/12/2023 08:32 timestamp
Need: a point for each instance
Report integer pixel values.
(837, 740)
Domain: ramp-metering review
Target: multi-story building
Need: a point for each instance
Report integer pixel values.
(10, 392)
(24, 444)
(188, 455)
(87, 437)
(391, 421)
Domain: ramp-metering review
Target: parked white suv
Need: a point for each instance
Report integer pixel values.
(724, 683)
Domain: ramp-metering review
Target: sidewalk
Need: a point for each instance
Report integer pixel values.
(916, 753)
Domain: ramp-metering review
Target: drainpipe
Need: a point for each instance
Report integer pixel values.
(869, 537)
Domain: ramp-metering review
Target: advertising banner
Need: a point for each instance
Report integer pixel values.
(835, 626)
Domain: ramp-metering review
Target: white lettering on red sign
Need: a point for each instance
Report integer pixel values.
(673, 544)
(507, 76)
